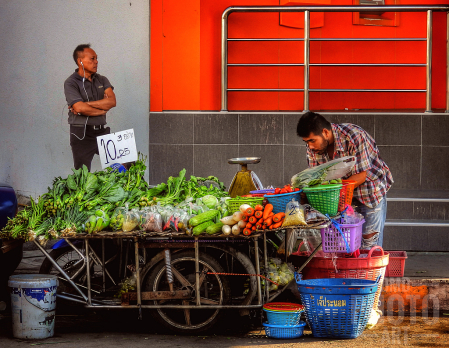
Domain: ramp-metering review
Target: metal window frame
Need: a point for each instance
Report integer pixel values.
(307, 9)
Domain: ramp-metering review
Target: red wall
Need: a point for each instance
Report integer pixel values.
(185, 59)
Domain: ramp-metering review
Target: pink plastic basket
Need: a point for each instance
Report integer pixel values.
(396, 267)
(333, 240)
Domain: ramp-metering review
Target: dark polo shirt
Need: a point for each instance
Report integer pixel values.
(74, 92)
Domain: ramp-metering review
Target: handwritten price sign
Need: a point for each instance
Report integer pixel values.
(119, 147)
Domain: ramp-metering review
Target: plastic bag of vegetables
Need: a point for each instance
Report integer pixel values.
(152, 221)
(130, 220)
(331, 170)
(117, 218)
(97, 222)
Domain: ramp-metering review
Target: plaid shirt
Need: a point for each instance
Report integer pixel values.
(351, 140)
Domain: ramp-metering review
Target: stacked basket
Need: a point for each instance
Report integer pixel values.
(337, 308)
(370, 267)
(283, 320)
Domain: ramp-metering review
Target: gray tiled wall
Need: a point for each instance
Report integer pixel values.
(416, 147)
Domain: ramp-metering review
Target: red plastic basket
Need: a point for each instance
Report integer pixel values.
(396, 266)
(283, 307)
(369, 267)
(346, 193)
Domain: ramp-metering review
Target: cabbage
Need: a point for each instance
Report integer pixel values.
(210, 201)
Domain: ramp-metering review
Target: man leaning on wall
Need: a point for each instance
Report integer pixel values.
(89, 97)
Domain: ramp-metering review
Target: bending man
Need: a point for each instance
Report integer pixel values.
(326, 141)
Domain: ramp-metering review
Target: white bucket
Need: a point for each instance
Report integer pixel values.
(33, 302)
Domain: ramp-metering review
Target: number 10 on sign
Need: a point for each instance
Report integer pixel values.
(119, 147)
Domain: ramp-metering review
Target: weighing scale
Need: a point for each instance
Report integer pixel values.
(244, 180)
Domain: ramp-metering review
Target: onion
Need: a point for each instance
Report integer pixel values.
(242, 224)
(226, 229)
(243, 207)
(235, 230)
(237, 216)
(228, 220)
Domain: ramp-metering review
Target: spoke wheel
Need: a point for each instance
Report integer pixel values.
(214, 290)
(71, 262)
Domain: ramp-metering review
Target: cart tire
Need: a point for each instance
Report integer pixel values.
(214, 289)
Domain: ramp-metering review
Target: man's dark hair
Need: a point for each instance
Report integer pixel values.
(78, 50)
(312, 122)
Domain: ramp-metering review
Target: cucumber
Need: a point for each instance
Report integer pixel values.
(215, 228)
(203, 217)
(197, 230)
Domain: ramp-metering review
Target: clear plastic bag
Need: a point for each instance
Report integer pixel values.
(130, 221)
(288, 243)
(117, 218)
(294, 214)
(331, 170)
(152, 221)
(97, 222)
(313, 216)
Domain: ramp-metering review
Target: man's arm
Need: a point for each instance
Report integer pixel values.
(359, 177)
(86, 110)
(105, 104)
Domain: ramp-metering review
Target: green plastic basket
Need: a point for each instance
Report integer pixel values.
(324, 198)
(234, 204)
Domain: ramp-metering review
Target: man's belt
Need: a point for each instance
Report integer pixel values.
(94, 127)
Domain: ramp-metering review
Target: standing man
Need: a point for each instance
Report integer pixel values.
(89, 97)
(326, 141)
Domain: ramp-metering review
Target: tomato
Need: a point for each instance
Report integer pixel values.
(296, 189)
(276, 191)
(289, 189)
(283, 191)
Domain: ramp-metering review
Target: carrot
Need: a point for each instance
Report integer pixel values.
(253, 228)
(270, 227)
(268, 209)
(252, 219)
(246, 231)
(259, 226)
(260, 221)
(258, 207)
(277, 225)
(249, 225)
(246, 218)
(249, 211)
(278, 217)
(271, 214)
(268, 221)
(258, 214)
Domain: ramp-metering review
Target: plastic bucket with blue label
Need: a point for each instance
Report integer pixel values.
(33, 305)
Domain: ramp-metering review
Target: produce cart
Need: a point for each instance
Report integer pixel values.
(186, 279)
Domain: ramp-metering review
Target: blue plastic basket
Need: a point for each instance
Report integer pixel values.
(284, 332)
(280, 201)
(283, 318)
(337, 307)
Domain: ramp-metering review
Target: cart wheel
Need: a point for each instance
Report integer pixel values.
(214, 291)
(70, 261)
